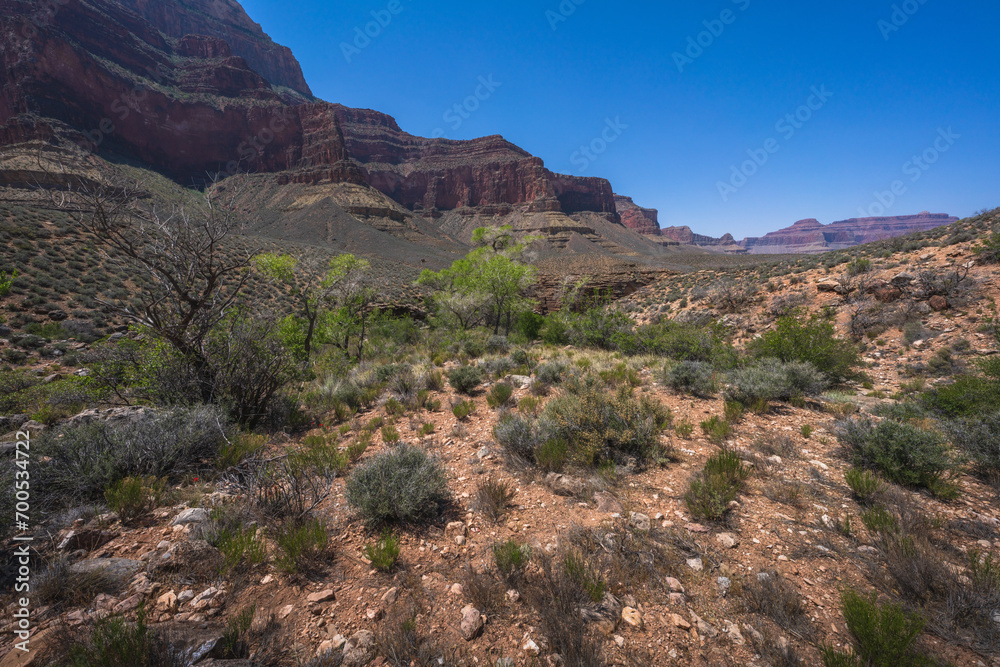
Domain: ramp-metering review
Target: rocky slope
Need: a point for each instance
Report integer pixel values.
(808, 236)
(684, 236)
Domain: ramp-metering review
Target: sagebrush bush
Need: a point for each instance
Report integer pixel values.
(519, 435)
(400, 486)
(719, 483)
(384, 553)
(814, 342)
(116, 641)
(769, 380)
(500, 395)
(465, 379)
(497, 344)
(82, 461)
(865, 485)
(300, 544)
(771, 595)
(884, 635)
(979, 437)
(550, 373)
(904, 453)
(691, 377)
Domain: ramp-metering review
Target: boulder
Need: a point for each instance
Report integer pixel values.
(472, 623)
(564, 485)
(640, 522)
(359, 650)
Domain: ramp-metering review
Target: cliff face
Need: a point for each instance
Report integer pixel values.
(185, 86)
(642, 220)
(226, 20)
(807, 236)
(684, 236)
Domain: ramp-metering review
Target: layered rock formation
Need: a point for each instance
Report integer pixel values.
(642, 220)
(684, 236)
(194, 88)
(810, 236)
(226, 20)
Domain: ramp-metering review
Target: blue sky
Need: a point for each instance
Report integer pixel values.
(685, 105)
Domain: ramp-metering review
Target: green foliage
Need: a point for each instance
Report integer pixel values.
(550, 373)
(465, 379)
(552, 455)
(813, 341)
(858, 266)
(242, 446)
(806, 431)
(691, 377)
(240, 545)
(463, 410)
(576, 568)
(865, 485)
(884, 635)
(384, 553)
(967, 396)
(879, 520)
(400, 486)
(234, 642)
(115, 641)
(979, 437)
(989, 251)
(684, 429)
(7, 279)
(716, 429)
(720, 482)
(500, 395)
(511, 558)
(769, 380)
(132, 497)
(904, 453)
(530, 324)
(300, 544)
(389, 434)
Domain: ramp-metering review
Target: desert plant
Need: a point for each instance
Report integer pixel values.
(884, 634)
(904, 453)
(400, 486)
(511, 558)
(691, 377)
(132, 497)
(813, 341)
(500, 395)
(720, 482)
(979, 437)
(771, 595)
(493, 497)
(463, 410)
(576, 568)
(769, 380)
(865, 485)
(518, 435)
(552, 455)
(716, 429)
(116, 641)
(384, 553)
(300, 544)
(465, 379)
(684, 429)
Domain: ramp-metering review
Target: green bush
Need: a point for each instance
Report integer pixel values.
(884, 635)
(720, 482)
(967, 396)
(550, 373)
(463, 410)
(511, 558)
(465, 379)
(80, 462)
(519, 436)
(858, 266)
(772, 380)
(691, 377)
(716, 429)
(979, 437)
(402, 485)
(576, 568)
(813, 341)
(904, 453)
(300, 544)
(552, 455)
(865, 485)
(989, 251)
(500, 395)
(133, 497)
(685, 342)
(497, 344)
(384, 553)
(240, 545)
(115, 641)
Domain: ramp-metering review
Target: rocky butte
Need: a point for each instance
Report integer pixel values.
(811, 236)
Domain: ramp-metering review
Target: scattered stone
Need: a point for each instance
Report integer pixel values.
(322, 596)
(632, 617)
(938, 303)
(359, 650)
(457, 590)
(724, 585)
(674, 585)
(167, 602)
(531, 648)
(607, 503)
(695, 564)
(819, 464)
(727, 540)
(389, 597)
(679, 622)
(122, 568)
(455, 529)
(564, 485)
(285, 611)
(192, 515)
(472, 623)
(640, 522)
(520, 380)
(696, 528)
(620, 641)
(513, 595)
(704, 628)
(734, 634)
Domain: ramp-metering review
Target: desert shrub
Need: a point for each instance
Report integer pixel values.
(777, 444)
(884, 634)
(383, 553)
(685, 342)
(300, 544)
(519, 436)
(691, 377)
(600, 427)
(773, 596)
(979, 437)
(989, 251)
(497, 345)
(557, 599)
(402, 485)
(716, 429)
(132, 497)
(858, 266)
(463, 410)
(684, 429)
(551, 372)
(116, 641)
(773, 380)
(865, 485)
(58, 584)
(500, 395)
(530, 324)
(80, 462)
(465, 379)
(493, 497)
(905, 454)
(590, 581)
(240, 545)
(734, 412)
(967, 396)
(552, 455)
(511, 558)
(813, 341)
(719, 483)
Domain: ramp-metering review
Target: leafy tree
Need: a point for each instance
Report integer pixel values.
(813, 341)
(332, 300)
(7, 281)
(489, 284)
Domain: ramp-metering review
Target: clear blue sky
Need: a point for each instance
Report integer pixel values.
(893, 85)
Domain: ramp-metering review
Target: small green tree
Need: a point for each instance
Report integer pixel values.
(989, 251)
(813, 341)
(337, 301)
(489, 284)
(7, 281)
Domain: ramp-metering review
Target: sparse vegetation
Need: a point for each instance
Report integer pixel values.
(402, 485)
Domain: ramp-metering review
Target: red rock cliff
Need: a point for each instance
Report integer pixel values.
(642, 220)
(812, 236)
